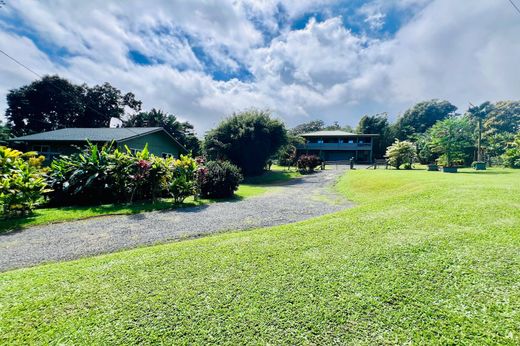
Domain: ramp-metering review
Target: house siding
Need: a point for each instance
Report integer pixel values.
(158, 143)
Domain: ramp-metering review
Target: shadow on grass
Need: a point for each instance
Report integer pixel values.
(486, 172)
(46, 216)
(270, 177)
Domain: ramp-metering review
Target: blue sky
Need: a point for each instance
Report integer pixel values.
(304, 60)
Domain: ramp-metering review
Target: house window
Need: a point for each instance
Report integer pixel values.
(134, 151)
(166, 155)
(41, 149)
(320, 141)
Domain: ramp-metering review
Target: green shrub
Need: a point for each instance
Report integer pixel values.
(308, 163)
(247, 139)
(218, 179)
(87, 178)
(22, 182)
(105, 174)
(181, 182)
(401, 153)
(511, 157)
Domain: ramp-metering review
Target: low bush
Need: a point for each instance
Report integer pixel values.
(218, 179)
(22, 182)
(308, 163)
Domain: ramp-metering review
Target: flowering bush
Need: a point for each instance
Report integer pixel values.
(218, 179)
(22, 182)
(108, 175)
(308, 163)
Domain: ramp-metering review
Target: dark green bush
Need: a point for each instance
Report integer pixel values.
(247, 139)
(218, 179)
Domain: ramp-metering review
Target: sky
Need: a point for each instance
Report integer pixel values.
(301, 59)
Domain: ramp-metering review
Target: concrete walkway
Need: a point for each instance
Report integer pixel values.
(296, 200)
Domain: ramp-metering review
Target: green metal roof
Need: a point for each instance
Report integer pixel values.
(100, 134)
(336, 133)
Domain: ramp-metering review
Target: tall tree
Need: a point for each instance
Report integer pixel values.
(377, 124)
(46, 104)
(247, 139)
(335, 126)
(53, 102)
(451, 138)
(311, 126)
(422, 116)
(182, 131)
(503, 118)
(103, 102)
(479, 113)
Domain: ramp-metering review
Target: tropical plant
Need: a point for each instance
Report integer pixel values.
(511, 157)
(22, 182)
(401, 153)
(450, 138)
(479, 114)
(308, 163)
(84, 178)
(181, 182)
(218, 179)
(247, 139)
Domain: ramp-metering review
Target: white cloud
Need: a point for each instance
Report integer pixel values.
(447, 50)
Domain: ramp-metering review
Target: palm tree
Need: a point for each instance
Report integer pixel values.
(479, 113)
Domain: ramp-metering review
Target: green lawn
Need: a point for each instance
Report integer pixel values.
(257, 186)
(424, 258)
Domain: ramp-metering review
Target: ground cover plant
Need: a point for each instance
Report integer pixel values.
(419, 260)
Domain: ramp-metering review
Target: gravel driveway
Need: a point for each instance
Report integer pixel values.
(296, 200)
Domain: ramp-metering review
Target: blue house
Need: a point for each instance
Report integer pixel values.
(339, 146)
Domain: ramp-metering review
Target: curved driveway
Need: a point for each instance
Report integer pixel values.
(296, 200)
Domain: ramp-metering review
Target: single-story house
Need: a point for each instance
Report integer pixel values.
(71, 140)
(339, 145)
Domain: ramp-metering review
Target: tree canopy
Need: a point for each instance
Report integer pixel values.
(422, 116)
(247, 139)
(311, 126)
(451, 138)
(182, 131)
(377, 124)
(53, 102)
(503, 118)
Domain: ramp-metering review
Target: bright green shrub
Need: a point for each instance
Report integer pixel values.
(181, 182)
(218, 179)
(401, 153)
(22, 182)
(511, 157)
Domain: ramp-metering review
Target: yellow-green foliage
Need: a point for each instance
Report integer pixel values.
(22, 181)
